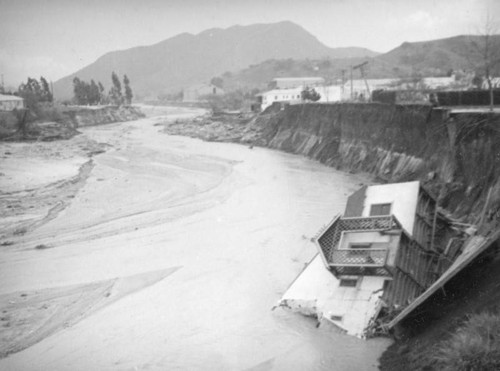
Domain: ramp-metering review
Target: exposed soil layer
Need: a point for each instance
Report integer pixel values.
(55, 123)
(457, 158)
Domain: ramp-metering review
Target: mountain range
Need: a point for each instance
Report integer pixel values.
(186, 59)
(249, 56)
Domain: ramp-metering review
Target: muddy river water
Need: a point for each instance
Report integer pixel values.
(200, 240)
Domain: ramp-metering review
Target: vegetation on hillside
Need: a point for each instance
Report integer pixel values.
(474, 346)
(309, 94)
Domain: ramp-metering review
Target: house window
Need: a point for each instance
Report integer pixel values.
(380, 209)
(359, 248)
(351, 282)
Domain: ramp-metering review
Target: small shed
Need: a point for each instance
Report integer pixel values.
(197, 93)
(10, 102)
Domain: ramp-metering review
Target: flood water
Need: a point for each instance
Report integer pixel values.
(233, 223)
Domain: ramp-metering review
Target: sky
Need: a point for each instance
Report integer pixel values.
(54, 38)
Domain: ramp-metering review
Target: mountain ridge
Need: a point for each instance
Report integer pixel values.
(184, 59)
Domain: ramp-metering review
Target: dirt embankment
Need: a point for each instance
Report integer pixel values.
(457, 158)
(54, 123)
(237, 128)
(473, 291)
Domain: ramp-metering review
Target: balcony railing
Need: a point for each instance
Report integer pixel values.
(372, 258)
(329, 238)
(356, 261)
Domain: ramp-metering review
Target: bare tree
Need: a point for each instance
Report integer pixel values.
(487, 49)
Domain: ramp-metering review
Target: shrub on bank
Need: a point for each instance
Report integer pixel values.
(474, 346)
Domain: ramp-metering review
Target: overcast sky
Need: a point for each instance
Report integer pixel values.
(54, 38)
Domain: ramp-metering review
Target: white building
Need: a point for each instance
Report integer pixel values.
(438, 82)
(267, 98)
(293, 96)
(10, 102)
(495, 83)
(198, 92)
(375, 256)
(361, 89)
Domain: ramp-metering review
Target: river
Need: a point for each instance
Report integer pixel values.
(209, 235)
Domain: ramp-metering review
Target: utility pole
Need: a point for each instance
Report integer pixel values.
(361, 68)
(352, 92)
(343, 85)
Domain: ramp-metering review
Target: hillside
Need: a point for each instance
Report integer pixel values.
(259, 75)
(187, 59)
(427, 58)
(436, 57)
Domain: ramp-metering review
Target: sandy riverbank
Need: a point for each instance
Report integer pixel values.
(197, 241)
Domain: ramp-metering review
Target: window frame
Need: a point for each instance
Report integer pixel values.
(355, 280)
(381, 205)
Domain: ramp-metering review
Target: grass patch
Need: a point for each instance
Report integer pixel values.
(474, 346)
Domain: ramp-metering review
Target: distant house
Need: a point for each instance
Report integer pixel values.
(10, 102)
(360, 89)
(288, 90)
(327, 94)
(438, 82)
(196, 93)
(267, 98)
(387, 248)
(295, 82)
(495, 83)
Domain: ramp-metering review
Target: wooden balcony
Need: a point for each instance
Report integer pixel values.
(359, 258)
(360, 262)
(355, 261)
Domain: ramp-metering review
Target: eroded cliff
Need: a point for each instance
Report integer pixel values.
(457, 157)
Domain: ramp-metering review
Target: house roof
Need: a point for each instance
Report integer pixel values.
(298, 79)
(4, 97)
(283, 91)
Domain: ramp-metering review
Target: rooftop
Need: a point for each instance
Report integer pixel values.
(4, 97)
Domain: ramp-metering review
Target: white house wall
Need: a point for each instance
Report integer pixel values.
(352, 308)
(316, 292)
(310, 289)
(403, 198)
(9, 105)
(327, 94)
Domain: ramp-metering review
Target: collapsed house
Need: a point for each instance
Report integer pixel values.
(390, 245)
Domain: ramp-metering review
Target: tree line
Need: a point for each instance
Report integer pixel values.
(34, 92)
(93, 93)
